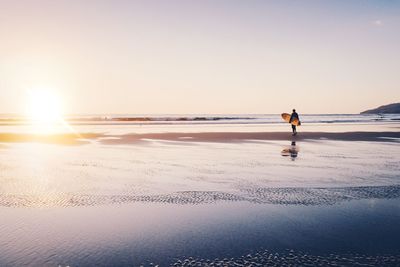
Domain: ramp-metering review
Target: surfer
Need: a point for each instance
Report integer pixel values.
(292, 117)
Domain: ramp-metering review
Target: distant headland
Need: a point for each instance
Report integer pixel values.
(391, 108)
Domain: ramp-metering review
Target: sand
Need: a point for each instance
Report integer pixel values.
(85, 138)
(200, 198)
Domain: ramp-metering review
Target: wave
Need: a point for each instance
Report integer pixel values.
(210, 119)
(144, 119)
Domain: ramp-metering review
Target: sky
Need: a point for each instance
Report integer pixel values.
(205, 56)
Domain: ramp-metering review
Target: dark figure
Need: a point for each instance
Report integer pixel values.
(292, 117)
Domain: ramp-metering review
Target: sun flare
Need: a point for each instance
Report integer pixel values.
(43, 107)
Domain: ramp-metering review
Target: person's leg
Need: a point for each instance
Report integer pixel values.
(294, 129)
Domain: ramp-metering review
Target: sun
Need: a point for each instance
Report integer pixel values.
(43, 107)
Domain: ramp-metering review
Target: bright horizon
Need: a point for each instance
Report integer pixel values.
(205, 57)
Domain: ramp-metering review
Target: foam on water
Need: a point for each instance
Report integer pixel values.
(150, 119)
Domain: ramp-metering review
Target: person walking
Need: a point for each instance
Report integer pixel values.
(292, 117)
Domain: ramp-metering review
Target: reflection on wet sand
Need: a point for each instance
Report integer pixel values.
(291, 151)
(59, 139)
(231, 197)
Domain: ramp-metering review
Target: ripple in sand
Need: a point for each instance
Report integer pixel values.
(285, 196)
(293, 258)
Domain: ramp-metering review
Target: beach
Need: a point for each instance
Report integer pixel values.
(234, 191)
(199, 133)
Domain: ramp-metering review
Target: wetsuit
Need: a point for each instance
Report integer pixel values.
(292, 117)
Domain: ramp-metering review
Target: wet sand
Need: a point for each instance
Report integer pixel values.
(84, 138)
(356, 233)
(248, 136)
(200, 199)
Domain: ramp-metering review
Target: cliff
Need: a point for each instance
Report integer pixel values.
(391, 108)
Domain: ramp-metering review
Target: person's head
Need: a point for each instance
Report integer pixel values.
(294, 110)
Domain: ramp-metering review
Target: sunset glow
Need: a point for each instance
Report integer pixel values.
(199, 133)
(43, 107)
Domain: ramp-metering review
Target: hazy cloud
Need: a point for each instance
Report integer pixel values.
(377, 22)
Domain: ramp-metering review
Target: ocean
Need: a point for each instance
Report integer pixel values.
(149, 119)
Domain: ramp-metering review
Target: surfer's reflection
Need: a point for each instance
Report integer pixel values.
(291, 151)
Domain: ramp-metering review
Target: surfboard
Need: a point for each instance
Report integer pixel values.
(286, 117)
